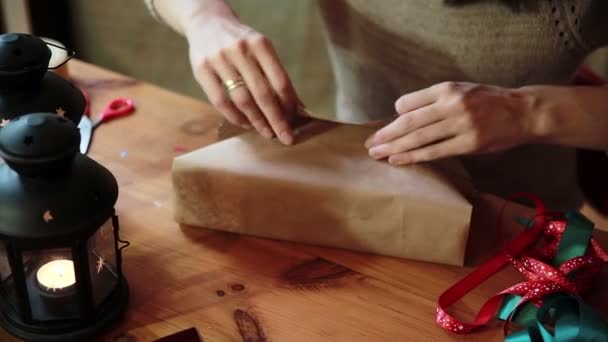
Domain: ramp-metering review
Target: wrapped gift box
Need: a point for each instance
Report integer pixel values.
(325, 190)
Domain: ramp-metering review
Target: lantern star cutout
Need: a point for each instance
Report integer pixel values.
(5, 122)
(47, 216)
(100, 262)
(60, 112)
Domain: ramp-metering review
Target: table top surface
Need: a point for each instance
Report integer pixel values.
(233, 288)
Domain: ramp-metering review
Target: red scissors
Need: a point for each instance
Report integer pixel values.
(118, 107)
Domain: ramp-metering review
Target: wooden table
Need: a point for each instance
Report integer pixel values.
(234, 288)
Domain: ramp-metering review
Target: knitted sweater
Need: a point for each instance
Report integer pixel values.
(381, 50)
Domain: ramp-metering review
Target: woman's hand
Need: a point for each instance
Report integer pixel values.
(223, 50)
(451, 118)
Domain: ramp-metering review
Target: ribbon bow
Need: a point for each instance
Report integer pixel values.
(557, 256)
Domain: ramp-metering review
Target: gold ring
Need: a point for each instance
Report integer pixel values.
(230, 85)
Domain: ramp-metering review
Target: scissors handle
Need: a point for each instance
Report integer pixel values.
(116, 108)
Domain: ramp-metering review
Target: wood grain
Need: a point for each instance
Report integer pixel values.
(237, 288)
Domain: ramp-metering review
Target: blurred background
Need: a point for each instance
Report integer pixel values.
(122, 36)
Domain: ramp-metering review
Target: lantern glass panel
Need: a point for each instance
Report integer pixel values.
(5, 267)
(6, 278)
(51, 284)
(102, 262)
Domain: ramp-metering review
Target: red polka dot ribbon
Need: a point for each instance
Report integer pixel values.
(534, 254)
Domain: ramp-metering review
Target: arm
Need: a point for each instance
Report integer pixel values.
(572, 116)
(236, 66)
(455, 118)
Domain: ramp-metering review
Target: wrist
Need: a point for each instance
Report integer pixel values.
(543, 110)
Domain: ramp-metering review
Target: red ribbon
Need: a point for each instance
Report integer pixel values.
(572, 276)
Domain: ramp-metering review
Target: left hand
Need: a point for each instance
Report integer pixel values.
(454, 118)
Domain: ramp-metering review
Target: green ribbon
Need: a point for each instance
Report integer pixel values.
(525, 315)
(571, 319)
(575, 239)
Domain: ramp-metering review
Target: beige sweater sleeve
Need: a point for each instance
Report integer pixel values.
(152, 9)
(154, 12)
(179, 14)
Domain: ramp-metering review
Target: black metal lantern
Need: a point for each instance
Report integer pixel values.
(60, 250)
(27, 85)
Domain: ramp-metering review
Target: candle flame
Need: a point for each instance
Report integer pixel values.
(56, 275)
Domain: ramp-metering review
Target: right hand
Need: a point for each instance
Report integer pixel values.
(223, 49)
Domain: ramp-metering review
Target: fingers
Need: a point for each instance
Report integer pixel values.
(417, 139)
(404, 125)
(241, 95)
(212, 85)
(267, 93)
(415, 100)
(260, 87)
(450, 147)
(448, 119)
(276, 74)
(425, 97)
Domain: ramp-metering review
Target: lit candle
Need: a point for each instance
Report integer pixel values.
(56, 275)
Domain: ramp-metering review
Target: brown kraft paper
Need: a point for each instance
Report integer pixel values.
(325, 190)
